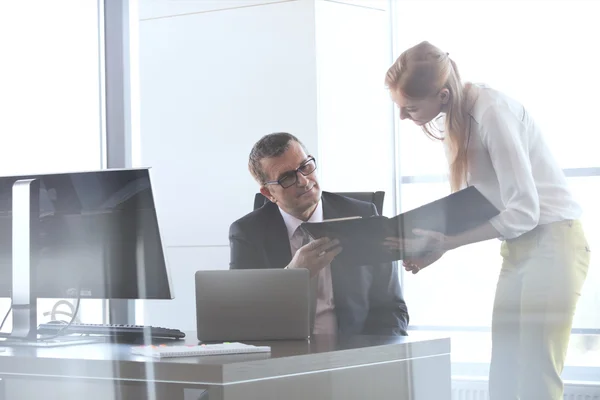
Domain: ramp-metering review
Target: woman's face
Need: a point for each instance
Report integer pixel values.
(420, 111)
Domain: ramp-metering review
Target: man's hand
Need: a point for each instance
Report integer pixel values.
(316, 255)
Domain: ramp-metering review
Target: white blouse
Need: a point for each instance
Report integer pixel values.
(512, 166)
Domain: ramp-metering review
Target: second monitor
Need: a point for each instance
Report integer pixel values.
(93, 235)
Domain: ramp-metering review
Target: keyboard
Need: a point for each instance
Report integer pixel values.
(130, 332)
(216, 349)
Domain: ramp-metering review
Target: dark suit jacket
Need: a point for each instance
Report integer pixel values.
(368, 298)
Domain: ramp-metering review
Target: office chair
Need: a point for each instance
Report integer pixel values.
(371, 197)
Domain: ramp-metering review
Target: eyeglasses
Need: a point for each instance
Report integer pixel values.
(291, 177)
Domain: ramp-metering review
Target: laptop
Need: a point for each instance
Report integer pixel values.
(253, 304)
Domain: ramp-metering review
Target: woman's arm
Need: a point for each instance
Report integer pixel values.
(507, 139)
(481, 233)
(435, 242)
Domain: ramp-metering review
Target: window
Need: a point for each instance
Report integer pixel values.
(543, 54)
(50, 80)
(355, 131)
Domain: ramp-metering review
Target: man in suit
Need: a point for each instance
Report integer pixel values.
(350, 299)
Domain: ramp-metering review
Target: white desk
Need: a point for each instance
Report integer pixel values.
(359, 367)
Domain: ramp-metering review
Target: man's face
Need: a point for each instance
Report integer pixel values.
(300, 198)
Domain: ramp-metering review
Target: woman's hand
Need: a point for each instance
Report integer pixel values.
(426, 242)
(417, 264)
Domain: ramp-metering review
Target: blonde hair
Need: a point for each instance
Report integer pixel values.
(422, 71)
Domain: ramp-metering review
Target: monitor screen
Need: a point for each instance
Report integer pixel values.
(95, 233)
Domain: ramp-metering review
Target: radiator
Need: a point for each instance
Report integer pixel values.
(477, 390)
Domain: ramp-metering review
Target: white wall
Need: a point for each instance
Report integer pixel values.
(216, 76)
(212, 83)
(153, 9)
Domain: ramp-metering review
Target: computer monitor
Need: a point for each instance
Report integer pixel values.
(91, 235)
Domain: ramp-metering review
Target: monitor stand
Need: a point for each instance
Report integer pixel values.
(25, 221)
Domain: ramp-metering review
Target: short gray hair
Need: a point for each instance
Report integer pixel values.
(272, 145)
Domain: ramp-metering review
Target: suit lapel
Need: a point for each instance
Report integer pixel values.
(329, 210)
(277, 243)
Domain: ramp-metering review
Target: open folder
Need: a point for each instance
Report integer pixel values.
(362, 238)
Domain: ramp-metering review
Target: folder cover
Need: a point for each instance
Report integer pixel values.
(362, 238)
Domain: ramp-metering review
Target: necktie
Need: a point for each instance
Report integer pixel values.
(305, 238)
(313, 282)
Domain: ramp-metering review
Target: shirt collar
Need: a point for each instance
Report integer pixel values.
(292, 223)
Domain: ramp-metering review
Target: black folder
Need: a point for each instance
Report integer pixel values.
(362, 238)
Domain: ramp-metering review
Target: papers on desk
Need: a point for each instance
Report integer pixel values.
(165, 351)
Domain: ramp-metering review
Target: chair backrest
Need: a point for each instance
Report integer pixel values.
(371, 197)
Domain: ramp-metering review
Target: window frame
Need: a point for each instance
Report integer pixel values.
(569, 173)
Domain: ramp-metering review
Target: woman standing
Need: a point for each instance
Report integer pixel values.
(493, 143)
